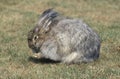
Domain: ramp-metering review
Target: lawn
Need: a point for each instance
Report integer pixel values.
(17, 17)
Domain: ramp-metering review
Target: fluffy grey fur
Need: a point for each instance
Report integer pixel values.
(63, 39)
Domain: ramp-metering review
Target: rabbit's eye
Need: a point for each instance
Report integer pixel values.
(35, 37)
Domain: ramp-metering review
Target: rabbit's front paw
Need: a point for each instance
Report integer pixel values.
(37, 55)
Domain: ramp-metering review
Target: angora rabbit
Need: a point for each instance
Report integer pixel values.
(63, 39)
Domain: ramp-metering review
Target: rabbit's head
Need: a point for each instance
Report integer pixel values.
(35, 40)
(40, 33)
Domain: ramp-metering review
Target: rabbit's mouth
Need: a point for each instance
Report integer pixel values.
(36, 50)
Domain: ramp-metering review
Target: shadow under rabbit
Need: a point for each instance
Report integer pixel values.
(42, 60)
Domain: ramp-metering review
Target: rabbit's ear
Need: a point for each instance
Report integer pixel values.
(36, 30)
(47, 11)
(44, 30)
(45, 15)
(49, 19)
(46, 20)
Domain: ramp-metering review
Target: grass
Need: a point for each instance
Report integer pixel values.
(19, 16)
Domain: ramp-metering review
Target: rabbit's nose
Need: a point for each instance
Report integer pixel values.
(36, 50)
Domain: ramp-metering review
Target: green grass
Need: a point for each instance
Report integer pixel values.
(19, 16)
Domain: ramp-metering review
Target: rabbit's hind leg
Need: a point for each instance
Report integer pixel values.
(70, 58)
(76, 58)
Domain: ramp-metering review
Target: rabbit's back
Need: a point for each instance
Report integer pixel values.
(75, 35)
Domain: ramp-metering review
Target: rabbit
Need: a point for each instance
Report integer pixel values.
(68, 40)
